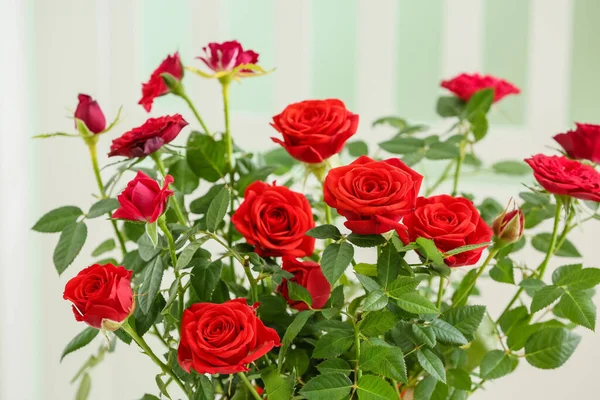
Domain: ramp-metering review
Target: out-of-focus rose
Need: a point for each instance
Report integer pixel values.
(582, 143)
(227, 55)
(156, 87)
(466, 85)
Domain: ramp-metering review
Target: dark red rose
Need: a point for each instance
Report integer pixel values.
(156, 87)
(143, 199)
(101, 295)
(559, 175)
(90, 113)
(372, 195)
(309, 275)
(582, 143)
(314, 130)
(227, 55)
(223, 338)
(508, 227)
(450, 222)
(274, 219)
(148, 138)
(466, 85)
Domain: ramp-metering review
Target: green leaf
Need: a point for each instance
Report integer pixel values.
(459, 378)
(535, 198)
(153, 397)
(449, 106)
(335, 386)
(201, 204)
(325, 232)
(432, 364)
(102, 207)
(69, 245)
(518, 336)
(442, 151)
(366, 240)
(479, 126)
(372, 387)
(357, 148)
(366, 269)
(333, 344)
(260, 174)
(578, 279)
(299, 293)
(579, 308)
(425, 388)
(394, 122)
(513, 319)
(565, 273)
(184, 178)
(377, 323)
(204, 279)
(217, 209)
(383, 360)
(503, 271)
(496, 364)
(79, 341)
(206, 156)
(447, 333)
(187, 254)
(335, 260)
(388, 265)
(466, 318)
(84, 388)
(541, 242)
(414, 303)
(424, 334)
(516, 168)
(403, 145)
(368, 283)
(402, 285)
(104, 247)
(152, 232)
(153, 274)
(276, 386)
(57, 219)
(545, 296)
(465, 248)
(335, 365)
(144, 321)
(467, 284)
(205, 391)
(431, 251)
(480, 102)
(550, 348)
(531, 285)
(375, 300)
(279, 158)
(55, 134)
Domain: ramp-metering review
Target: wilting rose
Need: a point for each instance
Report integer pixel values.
(372, 195)
(148, 138)
(559, 175)
(582, 143)
(466, 85)
(508, 227)
(314, 130)
(227, 55)
(274, 219)
(223, 338)
(90, 113)
(307, 274)
(101, 295)
(143, 199)
(451, 222)
(156, 87)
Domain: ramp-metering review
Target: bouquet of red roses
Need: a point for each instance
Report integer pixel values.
(253, 288)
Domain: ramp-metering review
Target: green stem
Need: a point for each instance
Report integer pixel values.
(185, 97)
(440, 180)
(459, 162)
(249, 385)
(164, 368)
(229, 147)
(467, 293)
(358, 373)
(161, 167)
(163, 226)
(253, 284)
(440, 294)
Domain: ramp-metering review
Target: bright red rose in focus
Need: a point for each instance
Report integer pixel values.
(156, 87)
(223, 338)
(466, 85)
(561, 176)
(582, 143)
(314, 130)
(307, 274)
(372, 195)
(90, 113)
(227, 55)
(143, 199)
(148, 138)
(450, 222)
(101, 295)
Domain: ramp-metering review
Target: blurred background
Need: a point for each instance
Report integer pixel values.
(382, 57)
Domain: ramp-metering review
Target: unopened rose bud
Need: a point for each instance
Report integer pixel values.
(508, 227)
(90, 113)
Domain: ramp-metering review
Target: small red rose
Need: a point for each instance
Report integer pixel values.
(561, 176)
(372, 195)
(583, 143)
(314, 130)
(90, 113)
(508, 227)
(156, 87)
(227, 55)
(274, 219)
(101, 295)
(148, 138)
(223, 338)
(309, 275)
(466, 85)
(143, 199)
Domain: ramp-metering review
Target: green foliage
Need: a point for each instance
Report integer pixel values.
(206, 157)
(550, 348)
(335, 260)
(58, 219)
(79, 341)
(325, 232)
(69, 245)
(331, 386)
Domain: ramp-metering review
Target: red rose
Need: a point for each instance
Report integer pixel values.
(372, 195)
(309, 275)
(274, 220)
(559, 175)
(450, 222)
(466, 85)
(227, 55)
(90, 113)
(156, 87)
(143, 199)
(314, 130)
(101, 295)
(223, 338)
(582, 143)
(148, 138)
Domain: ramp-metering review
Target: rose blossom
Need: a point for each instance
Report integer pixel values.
(307, 274)
(227, 55)
(508, 227)
(143, 199)
(372, 195)
(223, 338)
(582, 143)
(155, 86)
(314, 130)
(90, 113)
(466, 85)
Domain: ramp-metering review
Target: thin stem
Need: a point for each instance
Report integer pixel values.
(459, 162)
(159, 336)
(358, 372)
(441, 289)
(467, 293)
(185, 97)
(252, 280)
(249, 385)
(441, 179)
(229, 147)
(161, 167)
(163, 226)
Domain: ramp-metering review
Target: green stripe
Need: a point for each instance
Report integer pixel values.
(334, 50)
(585, 85)
(419, 58)
(506, 53)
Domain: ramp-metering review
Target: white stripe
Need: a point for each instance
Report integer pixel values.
(463, 37)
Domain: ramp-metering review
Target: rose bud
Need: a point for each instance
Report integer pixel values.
(226, 56)
(508, 227)
(309, 275)
(466, 85)
(314, 130)
(583, 143)
(148, 138)
(223, 338)
(101, 295)
(156, 87)
(90, 113)
(143, 199)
